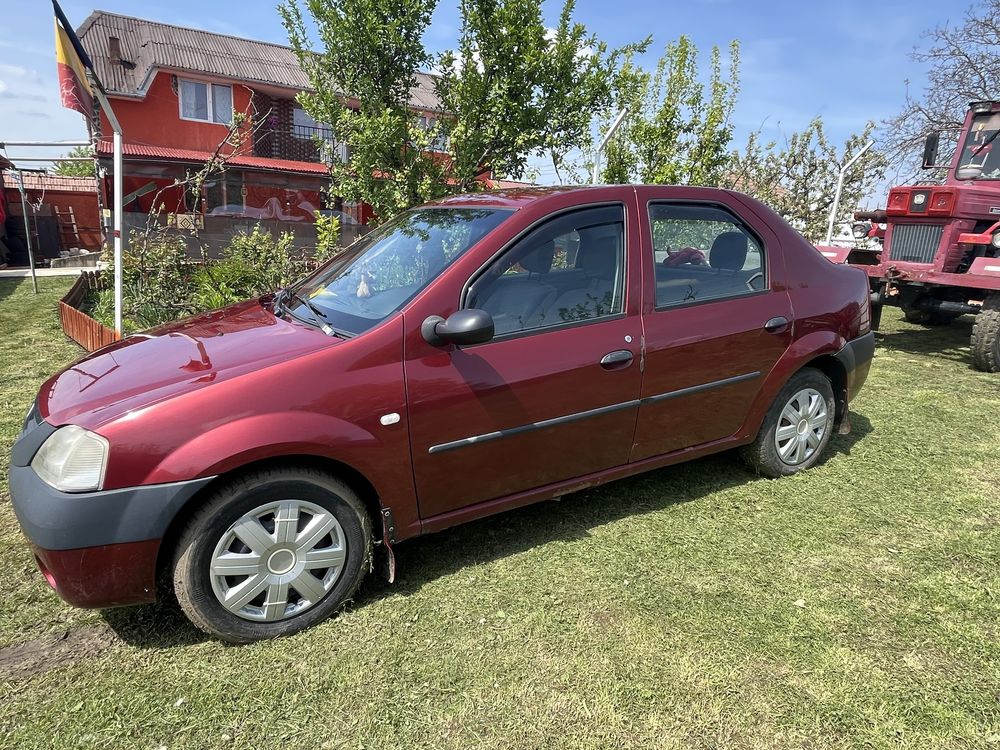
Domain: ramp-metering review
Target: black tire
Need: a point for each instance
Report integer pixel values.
(192, 579)
(928, 317)
(762, 454)
(986, 335)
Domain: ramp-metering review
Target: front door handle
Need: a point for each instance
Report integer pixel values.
(776, 325)
(621, 357)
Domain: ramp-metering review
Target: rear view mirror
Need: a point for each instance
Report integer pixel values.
(931, 150)
(462, 328)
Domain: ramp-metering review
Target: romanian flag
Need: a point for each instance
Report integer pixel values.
(72, 63)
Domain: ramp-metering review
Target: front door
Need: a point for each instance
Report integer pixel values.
(719, 320)
(555, 394)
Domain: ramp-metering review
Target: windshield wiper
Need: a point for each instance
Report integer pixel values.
(318, 315)
(987, 142)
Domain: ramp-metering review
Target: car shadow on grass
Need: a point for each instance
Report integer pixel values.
(949, 342)
(425, 559)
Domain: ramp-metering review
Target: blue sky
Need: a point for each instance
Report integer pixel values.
(847, 61)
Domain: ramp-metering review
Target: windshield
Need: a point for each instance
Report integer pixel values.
(382, 271)
(981, 152)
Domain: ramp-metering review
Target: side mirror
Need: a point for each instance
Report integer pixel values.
(462, 328)
(931, 150)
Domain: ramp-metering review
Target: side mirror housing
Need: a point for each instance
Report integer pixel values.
(931, 150)
(462, 328)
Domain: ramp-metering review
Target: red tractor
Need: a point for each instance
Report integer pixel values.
(940, 254)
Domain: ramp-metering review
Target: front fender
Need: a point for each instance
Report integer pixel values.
(802, 351)
(234, 444)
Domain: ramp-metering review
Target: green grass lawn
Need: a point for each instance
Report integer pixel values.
(855, 605)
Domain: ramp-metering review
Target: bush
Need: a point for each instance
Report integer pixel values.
(160, 283)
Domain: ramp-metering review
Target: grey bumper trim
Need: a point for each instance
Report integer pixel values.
(57, 520)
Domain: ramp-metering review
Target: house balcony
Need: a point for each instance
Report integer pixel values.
(298, 143)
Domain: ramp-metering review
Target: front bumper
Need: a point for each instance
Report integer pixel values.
(96, 549)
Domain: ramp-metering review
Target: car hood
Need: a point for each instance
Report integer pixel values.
(163, 362)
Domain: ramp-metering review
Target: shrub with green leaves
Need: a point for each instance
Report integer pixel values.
(160, 283)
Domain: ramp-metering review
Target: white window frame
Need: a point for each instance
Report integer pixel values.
(208, 92)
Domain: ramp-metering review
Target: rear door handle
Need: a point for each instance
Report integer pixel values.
(616, 358)
(776, 325)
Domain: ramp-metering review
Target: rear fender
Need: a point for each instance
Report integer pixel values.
(798, 355)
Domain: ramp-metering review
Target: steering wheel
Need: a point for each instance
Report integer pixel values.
(752, 279)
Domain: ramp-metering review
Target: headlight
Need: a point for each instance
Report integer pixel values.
(996, 239)
(72, 460)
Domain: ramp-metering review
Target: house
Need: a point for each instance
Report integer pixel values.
(175, 91)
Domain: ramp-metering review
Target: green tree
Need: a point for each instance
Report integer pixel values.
(511, 88)
(799, 179)
(77, 168)
(677, 132)
(360, 87)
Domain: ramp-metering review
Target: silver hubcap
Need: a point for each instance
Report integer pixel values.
(278, 560)
(802, 427)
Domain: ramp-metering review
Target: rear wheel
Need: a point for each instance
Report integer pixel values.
(928, 317)
(271, 554)
(986, 335)
(797, 427)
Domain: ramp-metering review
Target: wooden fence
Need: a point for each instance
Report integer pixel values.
(83, 329)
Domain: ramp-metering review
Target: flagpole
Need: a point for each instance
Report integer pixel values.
(70, 66)
(116, 165)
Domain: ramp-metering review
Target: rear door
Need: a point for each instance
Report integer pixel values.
(716, 319)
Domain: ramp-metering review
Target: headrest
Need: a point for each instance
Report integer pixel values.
(729, 251)
(539, 260)
(598, 252)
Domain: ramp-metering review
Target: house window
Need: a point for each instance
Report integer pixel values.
(304, 126)
(206, 102)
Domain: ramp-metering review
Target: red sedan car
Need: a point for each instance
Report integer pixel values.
(469, 357)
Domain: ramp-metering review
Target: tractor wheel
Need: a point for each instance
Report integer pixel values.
(986, 335)
(928, 317)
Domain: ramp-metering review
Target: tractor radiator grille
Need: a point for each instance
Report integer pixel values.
(915, 243)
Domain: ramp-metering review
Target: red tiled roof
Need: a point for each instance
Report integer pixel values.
(240, 160)
(43, 181)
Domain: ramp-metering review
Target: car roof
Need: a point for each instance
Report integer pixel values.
(514, 198)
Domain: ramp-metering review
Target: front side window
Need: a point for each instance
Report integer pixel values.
(382, 271)
(703, 252)
(569, 270)
(208, 102)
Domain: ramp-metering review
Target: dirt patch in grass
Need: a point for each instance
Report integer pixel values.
(41, 655)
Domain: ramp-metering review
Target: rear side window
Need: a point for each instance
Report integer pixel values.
(571, 269)
(703, 252)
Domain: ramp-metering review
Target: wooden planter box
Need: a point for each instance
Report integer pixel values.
(83, 329)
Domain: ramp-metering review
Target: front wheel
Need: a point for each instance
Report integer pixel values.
(797, 427)
(270, 554)
(986, 335)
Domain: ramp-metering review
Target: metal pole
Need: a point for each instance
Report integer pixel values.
(27, 231)
(118, 229)
(117, 166)
(53, 144)
(596, 176)
(49, 158)
(840, 187)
